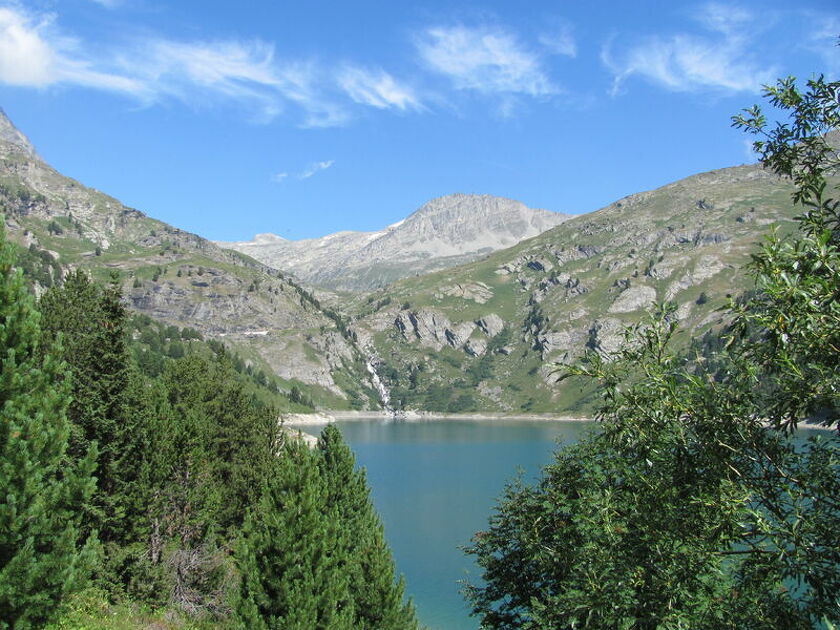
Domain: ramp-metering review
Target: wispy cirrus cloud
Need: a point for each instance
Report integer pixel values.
(484, 59)
(248, 73)
(240, 71)
(560, 40)
(377, 88)
(313, 169)
(34, 53)
(719, 58)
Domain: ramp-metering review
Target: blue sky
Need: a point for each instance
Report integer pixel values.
(228, 119)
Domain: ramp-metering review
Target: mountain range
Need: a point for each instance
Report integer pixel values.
(486, 335)
(443, 233)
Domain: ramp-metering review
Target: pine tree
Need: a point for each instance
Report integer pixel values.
(41, 488)
(92, 321)
(238, 434)
(377, 596)
(293, 575)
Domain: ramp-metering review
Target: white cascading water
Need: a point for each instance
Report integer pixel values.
(384, 396)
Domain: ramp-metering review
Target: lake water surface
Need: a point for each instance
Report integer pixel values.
(435, 483)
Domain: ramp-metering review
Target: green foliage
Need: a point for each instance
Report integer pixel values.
(694, 505)
(92, 321)
(298, 397)
(682, 511)
(182, 450)
(92, 610)
(796, 314)
(798, 149)
(377, 598)
(38, 265)
(290, 555)
(313, 555)
(42, 555)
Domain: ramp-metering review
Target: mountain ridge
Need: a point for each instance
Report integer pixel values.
(443, 232)
(12, 135)
(492, 334)
(177, 277)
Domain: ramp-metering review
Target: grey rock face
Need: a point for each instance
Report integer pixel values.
(444, 232)
(634, 299)
(491, 324)
(9, 134)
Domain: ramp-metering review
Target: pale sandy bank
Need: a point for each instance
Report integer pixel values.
(303, 419)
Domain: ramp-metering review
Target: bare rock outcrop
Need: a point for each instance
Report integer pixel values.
(633, 299)
(491, 324)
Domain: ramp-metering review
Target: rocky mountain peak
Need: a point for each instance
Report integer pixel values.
(447, 216)
(444, 232)
(268, 237)
(12, 135)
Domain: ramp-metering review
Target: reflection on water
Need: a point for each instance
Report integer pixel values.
(435, 484)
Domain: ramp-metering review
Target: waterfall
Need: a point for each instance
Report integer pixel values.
(384, 395)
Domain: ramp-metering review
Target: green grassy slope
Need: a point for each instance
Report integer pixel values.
(570, 288)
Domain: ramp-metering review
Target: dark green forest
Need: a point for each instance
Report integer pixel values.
(145, 476)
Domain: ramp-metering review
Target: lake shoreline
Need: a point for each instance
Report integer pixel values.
(327, 417)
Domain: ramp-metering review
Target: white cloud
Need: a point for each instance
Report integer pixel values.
(315, 168)
(726, 19)
(25, 58)
(245, 72)
(376, 88)
(484, 59)
(309, 171)
(33, 55)
(560, 41)
(720, 59)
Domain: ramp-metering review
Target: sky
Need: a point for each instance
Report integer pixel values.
(230, 119)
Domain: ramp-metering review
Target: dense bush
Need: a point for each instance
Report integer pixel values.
(695, 505)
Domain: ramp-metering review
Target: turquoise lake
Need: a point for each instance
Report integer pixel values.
(435, 484)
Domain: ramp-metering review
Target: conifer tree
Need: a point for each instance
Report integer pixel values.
(377, 596)
(292, 566)
(92, 321)
(238, 435)
(41, 488)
